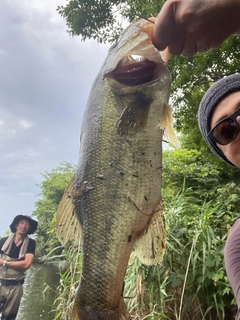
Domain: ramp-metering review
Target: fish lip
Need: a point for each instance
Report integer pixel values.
(130, 72)
(136, 40)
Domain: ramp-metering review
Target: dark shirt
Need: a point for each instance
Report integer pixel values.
(14, 252)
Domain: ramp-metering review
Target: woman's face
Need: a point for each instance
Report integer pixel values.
(225, 108)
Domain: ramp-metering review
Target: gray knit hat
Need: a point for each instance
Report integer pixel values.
(212, 97)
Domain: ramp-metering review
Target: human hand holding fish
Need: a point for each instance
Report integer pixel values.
(116, 191)
(190, 26)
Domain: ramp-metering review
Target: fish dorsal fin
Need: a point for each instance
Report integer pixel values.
(68, 227)
(151, 246)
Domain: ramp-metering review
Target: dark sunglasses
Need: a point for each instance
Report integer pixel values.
(226, 130)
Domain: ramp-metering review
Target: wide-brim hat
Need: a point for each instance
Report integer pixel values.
(33, 223)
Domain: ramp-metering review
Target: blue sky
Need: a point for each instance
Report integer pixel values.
(45, 79)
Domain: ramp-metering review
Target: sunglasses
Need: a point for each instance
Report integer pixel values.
(226, 130)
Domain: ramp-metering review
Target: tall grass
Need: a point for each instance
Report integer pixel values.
(68, 284)
(191, 283)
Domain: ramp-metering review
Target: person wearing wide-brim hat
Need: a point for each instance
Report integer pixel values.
(219, 123)
(33, 223)
(16, 256)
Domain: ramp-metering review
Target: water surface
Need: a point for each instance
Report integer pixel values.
(37, 303)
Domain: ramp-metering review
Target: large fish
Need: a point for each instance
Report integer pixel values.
(117, 187)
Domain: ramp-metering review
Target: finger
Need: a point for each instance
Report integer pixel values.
(205, 44)
(163, 27)
(189, 47)
(202, 48)
(175, 46)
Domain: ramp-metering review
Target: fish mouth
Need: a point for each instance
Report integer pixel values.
(132, 71)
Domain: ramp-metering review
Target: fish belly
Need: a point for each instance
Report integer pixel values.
(117, 191)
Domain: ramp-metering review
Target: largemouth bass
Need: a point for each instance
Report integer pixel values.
(117, 185)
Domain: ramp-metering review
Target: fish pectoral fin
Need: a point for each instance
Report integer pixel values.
(134, 116)
(68, 228)
(166, 124)
(151, 246)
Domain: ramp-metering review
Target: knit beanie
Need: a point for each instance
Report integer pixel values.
(210, 100)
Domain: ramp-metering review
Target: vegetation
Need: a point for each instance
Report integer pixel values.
(191, 283)
(68, 284)
(201, 193)
(52, 189)
(102, 20)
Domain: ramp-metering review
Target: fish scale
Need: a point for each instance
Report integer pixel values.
(117, 189)
(120, 204)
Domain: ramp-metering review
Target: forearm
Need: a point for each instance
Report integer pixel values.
(17, 265)
(232, 259)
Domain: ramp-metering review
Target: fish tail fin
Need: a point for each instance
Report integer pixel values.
(88, 313)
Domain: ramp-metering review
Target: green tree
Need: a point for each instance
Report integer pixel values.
(102, 20)
(190, 80)
(52, 189)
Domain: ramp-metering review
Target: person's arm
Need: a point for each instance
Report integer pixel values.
(190, 26)
(19, 264)
(232, 260)
(2, 240)
(22, 264)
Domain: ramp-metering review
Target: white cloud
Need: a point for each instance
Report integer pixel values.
(25, 123)
(45, 79)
